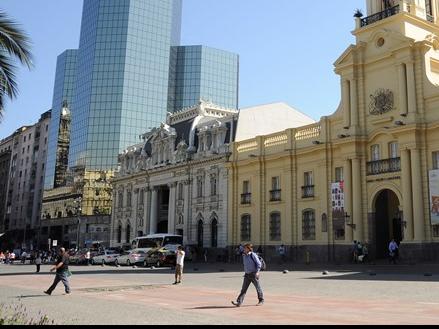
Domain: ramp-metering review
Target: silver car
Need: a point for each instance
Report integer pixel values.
(105, 257)
(132, 257)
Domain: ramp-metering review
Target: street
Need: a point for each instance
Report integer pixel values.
(347, 295)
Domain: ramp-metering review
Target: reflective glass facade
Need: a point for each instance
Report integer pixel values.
(204, 73)
(123, 73)
(64, 90)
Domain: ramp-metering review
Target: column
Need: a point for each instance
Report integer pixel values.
(411, 88)
(171, 210)
(354, 103)
(147, 210)
(346, 103)
(187, 219)
(348, 197)
(402, 77)
(418, 201)
(357, 200)
(407, 194)
(153, 221)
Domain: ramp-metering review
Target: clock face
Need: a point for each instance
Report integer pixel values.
(381, 102)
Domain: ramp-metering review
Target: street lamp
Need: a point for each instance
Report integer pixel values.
(78, 210)
(349, 222)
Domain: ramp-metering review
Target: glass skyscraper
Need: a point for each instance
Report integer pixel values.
(205, 73)
(128, 72)
(122, 76)
(63, 93)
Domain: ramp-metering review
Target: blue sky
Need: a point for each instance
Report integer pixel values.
(287, 49)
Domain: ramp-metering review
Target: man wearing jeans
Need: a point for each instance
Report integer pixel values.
(62, 271)
(252, 268)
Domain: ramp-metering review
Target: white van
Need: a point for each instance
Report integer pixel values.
(156, 241)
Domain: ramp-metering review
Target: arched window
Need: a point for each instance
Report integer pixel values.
(200, 234)
(308, 225)
(214, 233)
(275, 227)
(119, 234)
(246, 228)
(128, 233)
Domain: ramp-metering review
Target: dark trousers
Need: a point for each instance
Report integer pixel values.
(60, 277)
(38, 268)
(248, 279)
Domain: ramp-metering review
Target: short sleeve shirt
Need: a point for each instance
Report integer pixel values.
(65, 260)
(180, 258)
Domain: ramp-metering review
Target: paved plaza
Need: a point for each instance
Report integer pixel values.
(347, 295)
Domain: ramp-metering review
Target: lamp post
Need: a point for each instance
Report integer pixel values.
(78, 210)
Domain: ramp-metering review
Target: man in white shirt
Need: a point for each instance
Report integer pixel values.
(180, 264)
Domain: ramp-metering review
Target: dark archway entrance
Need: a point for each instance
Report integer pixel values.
(388, 222)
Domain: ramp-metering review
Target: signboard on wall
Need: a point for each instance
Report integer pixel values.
(434, 196)
(337, 192)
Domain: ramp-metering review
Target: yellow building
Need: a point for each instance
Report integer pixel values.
(381, 146)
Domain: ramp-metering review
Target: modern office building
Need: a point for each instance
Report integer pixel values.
(59, 129)
(123, 73)
(204, 73)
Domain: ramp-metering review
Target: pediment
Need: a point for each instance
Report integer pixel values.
(346, 58)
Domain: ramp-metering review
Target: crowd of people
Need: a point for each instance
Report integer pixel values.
(24, 256)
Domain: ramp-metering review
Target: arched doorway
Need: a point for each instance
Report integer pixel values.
(388, 223)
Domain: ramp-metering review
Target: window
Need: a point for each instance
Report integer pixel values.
(435, 160)
(119, 234)
(375, 153)
(213, 185)
(246, 187)
(393, 150)
(275, 183)
(324, 223)
(308, 225)
(275, 227)
(214, 233)
(200, 233)
(180, 191)
(142, 197)
(339, 174)
(308, 188)
(120, 199)
(246, 228)
(128, 234)
(308, 179)
(129, 199)
(199, 187)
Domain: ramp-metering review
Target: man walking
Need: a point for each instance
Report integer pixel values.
(62, 272)
(180, 264)
(282, 253)
(252, 268)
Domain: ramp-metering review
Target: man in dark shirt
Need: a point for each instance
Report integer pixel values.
(62, 272)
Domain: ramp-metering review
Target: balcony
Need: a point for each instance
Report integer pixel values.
(308, 192)
(246, 198)
(380, 16)
(275, 195)
(383, 166)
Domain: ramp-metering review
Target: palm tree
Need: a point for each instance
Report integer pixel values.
(14, 44)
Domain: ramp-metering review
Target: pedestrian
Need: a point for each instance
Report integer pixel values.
(179, 265)
(355, 252)
(393, 251)
(23, 257)
(282, 253)
(238, 252)
(88, 257)
(38, 262)
(62, 272)
(252, 269)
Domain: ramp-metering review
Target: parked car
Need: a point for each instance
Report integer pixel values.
(105, 257)
(161, 257)
(133, 257)
(79, 257)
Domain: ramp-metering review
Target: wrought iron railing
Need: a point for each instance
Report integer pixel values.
(307, 191)
(246, 198)
(276, 195)
(380, 16)
(383, 166)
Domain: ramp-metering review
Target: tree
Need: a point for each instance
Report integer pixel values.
(14, 45)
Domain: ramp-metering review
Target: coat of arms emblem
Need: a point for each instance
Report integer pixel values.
(381, 102)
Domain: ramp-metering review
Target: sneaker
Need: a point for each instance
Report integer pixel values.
(47, 293)
(261, 302)
(236, 304)
(175, 283)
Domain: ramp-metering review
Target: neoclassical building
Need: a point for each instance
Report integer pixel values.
(366, 172)
(176, 180)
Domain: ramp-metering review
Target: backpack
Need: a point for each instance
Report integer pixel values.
(263, 265)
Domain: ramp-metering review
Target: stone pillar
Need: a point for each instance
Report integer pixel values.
(153, 221)
(354, 103)
(418, 200)
(407, 194)
(171, 210)
(147, 210)
(346, 103)
(187, 220)
(348, 197)
(357, 213)
(402, 78)
(411, 88)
